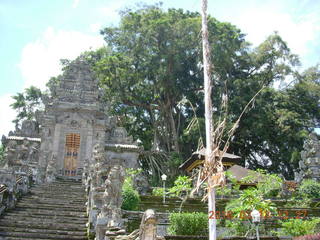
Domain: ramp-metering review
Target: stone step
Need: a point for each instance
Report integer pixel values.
(44, 225)
(59, 192)
(50, 212)
(61, 196)
(58, 203)
(28, 230)
(37, 214)
(23, 238)
(59, 207)
(24, 235)
(64, 199)
(39, 218)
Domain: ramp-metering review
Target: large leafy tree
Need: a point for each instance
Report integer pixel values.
(154, 62)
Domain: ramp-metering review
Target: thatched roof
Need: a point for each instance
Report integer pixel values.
(239, 173)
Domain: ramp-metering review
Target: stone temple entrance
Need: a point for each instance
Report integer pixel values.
(74, 120)
(71, 154)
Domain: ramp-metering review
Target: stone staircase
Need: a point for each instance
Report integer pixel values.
(50, 211)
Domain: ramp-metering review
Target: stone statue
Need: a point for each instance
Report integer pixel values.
(148, 227)
(309, 166)
(11, 153)
(141, 184)
(113, 185)
(112, 196)
(147, 230)
(23, 152)
(51, 170)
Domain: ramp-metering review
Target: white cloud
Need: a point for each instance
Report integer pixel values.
(95, 27)
(112, 10)
(261, 20)
(40, 59)
(75, 3)
(7, 114)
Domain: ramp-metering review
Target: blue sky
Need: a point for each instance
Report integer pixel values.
(35, 34)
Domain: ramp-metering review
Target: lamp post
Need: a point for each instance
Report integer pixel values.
(164, 178)
(255, 214)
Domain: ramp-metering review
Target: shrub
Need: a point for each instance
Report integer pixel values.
(299, 227)
(248, 200)
(182, 187)
(158, 191)
(130, 196)
(269, 185)
(188, 223)
(310, 188)
(131, 199)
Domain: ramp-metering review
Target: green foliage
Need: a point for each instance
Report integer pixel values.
(158, 191)
(240, 209)
(224, 191)
(130, 196)
(237, 227)
(131, 199)
(182, 187)
(269, 185)
(310, 189)
(299, 227)
(26, 104)
(249, 200)
(188, 223)
(151, 64)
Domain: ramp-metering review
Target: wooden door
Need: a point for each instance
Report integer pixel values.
(71, 154)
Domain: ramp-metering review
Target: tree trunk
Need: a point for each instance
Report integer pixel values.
(173, 130)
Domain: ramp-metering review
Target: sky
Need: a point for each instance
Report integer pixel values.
(36, 34)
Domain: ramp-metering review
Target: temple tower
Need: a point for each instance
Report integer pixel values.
(74, 121)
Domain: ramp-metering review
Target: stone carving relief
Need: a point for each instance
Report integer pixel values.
(310, 164)
(28, 129)
(147, 230)
(51, 171)
(120, 135)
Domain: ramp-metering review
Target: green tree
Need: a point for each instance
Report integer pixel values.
(26, 104)
(155, 62)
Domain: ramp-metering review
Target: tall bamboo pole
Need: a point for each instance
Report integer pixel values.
(208, 117)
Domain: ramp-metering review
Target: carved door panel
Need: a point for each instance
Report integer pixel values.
(71, 154)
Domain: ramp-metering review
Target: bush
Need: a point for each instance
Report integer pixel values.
(158, 191)
(310, 188)
(299, 227)
(130, 196)
(131, 199)
(188, 223)
(182, 187)
(269, 185)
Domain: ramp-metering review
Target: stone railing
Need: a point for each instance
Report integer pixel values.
(12, 187)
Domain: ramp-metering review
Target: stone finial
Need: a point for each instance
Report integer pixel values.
(120, 135)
